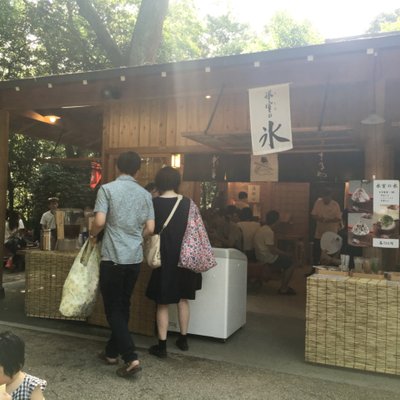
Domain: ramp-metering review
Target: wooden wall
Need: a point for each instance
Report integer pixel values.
(158, 124)
(154, 124)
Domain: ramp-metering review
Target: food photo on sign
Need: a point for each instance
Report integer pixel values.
(360, 220)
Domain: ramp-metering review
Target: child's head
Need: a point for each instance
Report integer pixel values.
(12, 354)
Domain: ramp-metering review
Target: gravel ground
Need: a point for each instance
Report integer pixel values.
(70, 366)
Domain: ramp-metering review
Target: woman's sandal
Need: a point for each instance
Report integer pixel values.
(107, 360)
(124, 372)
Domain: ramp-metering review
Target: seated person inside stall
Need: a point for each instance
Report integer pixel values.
(248, 227)
(223, 229)
(13, 239)
(273, 258)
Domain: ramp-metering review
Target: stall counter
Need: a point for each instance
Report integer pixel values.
(46, 272)
(353, 322)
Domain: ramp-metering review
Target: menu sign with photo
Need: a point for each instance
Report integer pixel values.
(386, 214)
(373, 219)
(360, 200)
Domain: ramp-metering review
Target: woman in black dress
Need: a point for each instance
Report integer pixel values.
(170, 284)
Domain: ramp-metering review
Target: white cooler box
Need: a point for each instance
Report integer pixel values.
(220, 306)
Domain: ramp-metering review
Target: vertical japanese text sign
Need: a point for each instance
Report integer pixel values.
(271, 128)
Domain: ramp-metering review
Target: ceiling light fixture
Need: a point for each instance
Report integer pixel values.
(52, 118)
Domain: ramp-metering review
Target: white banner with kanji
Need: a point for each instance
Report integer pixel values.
(271, 127)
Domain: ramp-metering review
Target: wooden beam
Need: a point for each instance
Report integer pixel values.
(4, 134)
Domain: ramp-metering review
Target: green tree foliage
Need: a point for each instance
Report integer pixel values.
(224, 36)
(386, 22)
(44, 37)
(187, 37)
(63, 38)
(182, 30)
(69, 184)
(16, 44)
(284, 31)
(26, 155)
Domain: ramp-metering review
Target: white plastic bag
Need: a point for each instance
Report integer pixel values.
(80, 288)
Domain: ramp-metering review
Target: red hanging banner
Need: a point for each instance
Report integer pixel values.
(95, 177)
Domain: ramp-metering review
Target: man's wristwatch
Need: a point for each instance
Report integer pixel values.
(92, 236)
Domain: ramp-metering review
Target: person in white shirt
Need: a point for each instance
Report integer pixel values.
(14, 225)
(48, 220)
(242, 202)
(249, 228)
(13, 232)
(326, 212)
(268, 253)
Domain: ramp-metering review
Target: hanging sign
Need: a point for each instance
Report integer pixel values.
(271, 128)
(386, 213)
(253, 192)
(95, 176)
(264, 168)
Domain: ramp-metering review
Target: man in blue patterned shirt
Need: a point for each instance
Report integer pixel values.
(125, 211)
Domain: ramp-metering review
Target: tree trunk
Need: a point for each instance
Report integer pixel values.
(88, 12)
(147, 34)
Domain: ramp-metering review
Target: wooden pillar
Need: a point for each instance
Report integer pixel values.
(379, 164)
(4, 134)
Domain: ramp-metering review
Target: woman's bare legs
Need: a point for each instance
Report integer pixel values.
(183, 316)
(162, 321)
(160, 349)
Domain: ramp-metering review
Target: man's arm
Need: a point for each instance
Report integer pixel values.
(148, 227)
(98, 224)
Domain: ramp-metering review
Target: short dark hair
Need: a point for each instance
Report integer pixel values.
(246, 214)
(12, 353)
(168, 178)
(242, 195)
(129, 163)
(150, 187)
(271, 217)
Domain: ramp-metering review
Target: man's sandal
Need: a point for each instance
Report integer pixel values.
(107, 360)
(124, 372)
